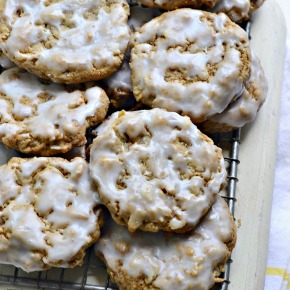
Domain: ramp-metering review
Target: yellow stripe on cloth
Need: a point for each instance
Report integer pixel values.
(272, 271)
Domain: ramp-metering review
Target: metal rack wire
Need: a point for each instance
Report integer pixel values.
(233, 162)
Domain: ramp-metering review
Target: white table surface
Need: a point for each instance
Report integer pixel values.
(285, 6)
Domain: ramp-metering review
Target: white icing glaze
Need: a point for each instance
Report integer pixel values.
(245, 108)
(5, 62)
(237, 10)
(85, 45)
(102, 128)
(49, 218)
(49, 118)
(164, 152)
(121, 79)
(203, 94)
(170, 262)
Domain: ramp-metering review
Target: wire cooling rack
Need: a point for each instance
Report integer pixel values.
(92, 274)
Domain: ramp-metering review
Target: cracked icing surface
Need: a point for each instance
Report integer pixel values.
(49, 213)
(174, 4)
(189, 61)
(245, 108)
(46, 119)
(169, 261)
(237, 10)
(68, 41)
(155, 170)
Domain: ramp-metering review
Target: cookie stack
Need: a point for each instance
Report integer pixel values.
(194, 63)
(155, 172)
(159, 176)
(237, 10)
(54, 52)
(169, 261)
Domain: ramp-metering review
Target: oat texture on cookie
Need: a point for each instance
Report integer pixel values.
(45, 119)
(237, 10)
(155, 170)
(165, 261)
(67, 41)
(49, 212)
(245, 108)
(190, 61)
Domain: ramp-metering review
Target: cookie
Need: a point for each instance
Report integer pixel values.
(66, 41)
(118, 86)
(174, 4)
(155, 170)
(5, 62)
(49, 215)
(191, 62)
(45, 119)
(237, 10)
(245, 108)
(169, 261)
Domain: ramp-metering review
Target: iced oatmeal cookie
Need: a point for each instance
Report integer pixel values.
(237, 10)
(190, 61)
(46, 118)
(49, 214)
(67, 41)
(151, 261)
(155, 170)
(245, 108)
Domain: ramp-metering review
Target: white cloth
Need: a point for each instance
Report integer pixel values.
(278, 264)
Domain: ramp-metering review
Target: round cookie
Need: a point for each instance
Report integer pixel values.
(118, 86)
(245, 108)
(45, 119)
(169, 261)
(50, 213)
(174, 4)
(237, 10)
(155, 170)
(190, 61)
(67, 41)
